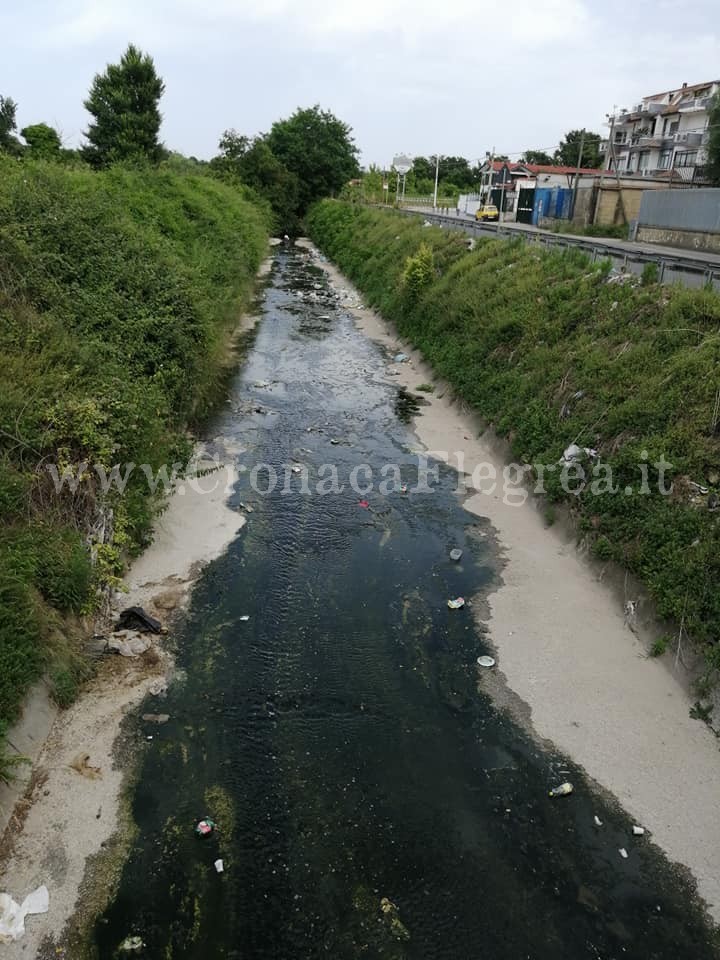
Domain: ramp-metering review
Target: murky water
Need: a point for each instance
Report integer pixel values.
(338, 735)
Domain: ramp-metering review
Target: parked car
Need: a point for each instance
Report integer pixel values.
(487, 213)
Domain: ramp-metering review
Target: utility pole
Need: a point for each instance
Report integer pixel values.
(437, 174)
(488, 195)
(501, 214)
(577, 173)
(614, 166)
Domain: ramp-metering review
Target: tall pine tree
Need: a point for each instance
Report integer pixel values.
(124, 102)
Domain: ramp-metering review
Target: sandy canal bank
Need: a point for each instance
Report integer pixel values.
(572, 667)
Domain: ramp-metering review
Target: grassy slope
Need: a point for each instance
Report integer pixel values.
(519, 331)
(116, 294)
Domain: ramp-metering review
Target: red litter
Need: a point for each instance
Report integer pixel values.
(205, 827)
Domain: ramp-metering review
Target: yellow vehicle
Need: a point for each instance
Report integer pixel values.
(487, 213)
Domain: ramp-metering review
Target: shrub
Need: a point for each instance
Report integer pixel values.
(659, 646)
(602, 549)
(418, 272)
(650, 274)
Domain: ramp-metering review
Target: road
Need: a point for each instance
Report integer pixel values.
(699, 264)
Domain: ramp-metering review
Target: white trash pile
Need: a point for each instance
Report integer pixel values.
(12, 914)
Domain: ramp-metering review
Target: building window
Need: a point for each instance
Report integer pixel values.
(686, 159)
(664, 162)
(644, 161)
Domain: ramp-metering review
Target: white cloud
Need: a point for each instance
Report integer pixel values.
(84, 23)
(416, 75)
(527, 24)
(525, 21)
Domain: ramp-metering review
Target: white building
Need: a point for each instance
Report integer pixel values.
(666, 134)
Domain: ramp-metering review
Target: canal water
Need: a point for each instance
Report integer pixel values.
(371, 800)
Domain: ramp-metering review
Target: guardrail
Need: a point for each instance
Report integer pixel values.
(678, 267)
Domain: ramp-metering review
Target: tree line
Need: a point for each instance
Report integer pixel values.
(304, 157)
(459, 175)
(578, 147)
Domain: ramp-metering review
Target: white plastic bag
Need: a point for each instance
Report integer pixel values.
(12, 915)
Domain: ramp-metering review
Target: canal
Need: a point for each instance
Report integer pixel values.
(329, 712)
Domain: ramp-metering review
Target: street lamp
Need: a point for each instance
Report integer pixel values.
(403, 165)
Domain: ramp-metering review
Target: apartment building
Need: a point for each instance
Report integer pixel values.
(665, 135)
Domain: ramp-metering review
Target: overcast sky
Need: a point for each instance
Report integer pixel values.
(457, 76)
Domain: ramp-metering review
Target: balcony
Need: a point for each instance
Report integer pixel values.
(659, 173)
(650, 109)
(646, 142)
(688, 139)
(694, 106)
(625, 117)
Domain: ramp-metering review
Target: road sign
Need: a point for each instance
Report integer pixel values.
(402, 164)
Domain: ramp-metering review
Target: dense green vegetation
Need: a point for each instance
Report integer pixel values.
(549, 352)
(117, 293)
(305, 157)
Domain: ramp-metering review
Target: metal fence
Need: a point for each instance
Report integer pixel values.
(693, 210)
(691, 272)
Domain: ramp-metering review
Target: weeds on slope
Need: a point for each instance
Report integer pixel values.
(117, 290)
